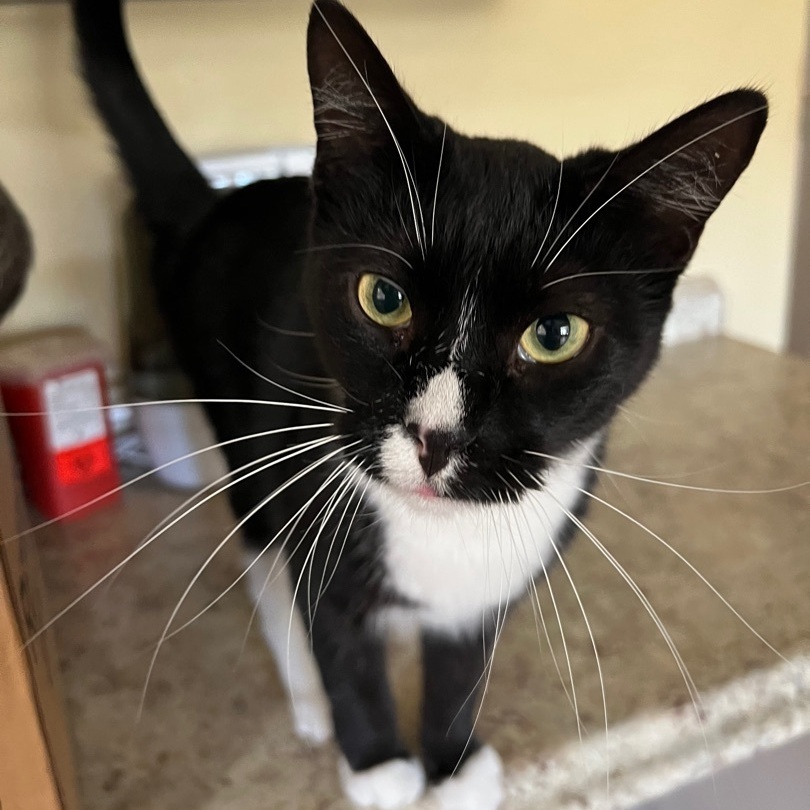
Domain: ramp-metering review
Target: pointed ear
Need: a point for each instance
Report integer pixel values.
(682, 172)
(359, 105)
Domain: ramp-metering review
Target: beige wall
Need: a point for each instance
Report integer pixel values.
(563, 73)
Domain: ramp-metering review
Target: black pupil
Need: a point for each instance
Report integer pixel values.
(387, 298)
(553, 332)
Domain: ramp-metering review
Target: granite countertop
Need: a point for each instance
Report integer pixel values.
(215, 733)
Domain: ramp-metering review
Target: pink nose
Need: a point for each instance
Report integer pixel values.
(433, 446)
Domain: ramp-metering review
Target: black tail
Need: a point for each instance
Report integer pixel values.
(170, 190)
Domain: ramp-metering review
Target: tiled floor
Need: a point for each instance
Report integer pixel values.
(215, 735)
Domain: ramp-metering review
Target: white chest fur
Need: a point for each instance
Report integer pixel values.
(455, 560)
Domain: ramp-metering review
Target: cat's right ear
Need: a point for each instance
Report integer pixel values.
(360, 108)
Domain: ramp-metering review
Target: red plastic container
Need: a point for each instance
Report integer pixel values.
(63, 444)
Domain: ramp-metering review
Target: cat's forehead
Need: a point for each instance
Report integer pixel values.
(491, 205)
(498, 175)
(492, 198)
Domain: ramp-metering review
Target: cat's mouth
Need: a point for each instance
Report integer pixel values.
(424, 497)
(421, 492)
(427, 491)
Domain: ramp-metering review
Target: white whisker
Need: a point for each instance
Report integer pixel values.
(216, 551)
(331, 506)
(157, 469)
(575, 276)
(185, 401)
(285, 332)
(587, 622)
(579, 207)
(500, 624)
(321, 590)
(692, 689)
(360, 502)
(279, 385)
(296, 517)
(553, 216)
(572, 696)
(436, 191)
(304, 447)
(691, 568)
(316, 248)
(212, 484)
(662, 483)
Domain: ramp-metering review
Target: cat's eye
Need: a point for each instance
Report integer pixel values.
(383, 301)
(553, 339)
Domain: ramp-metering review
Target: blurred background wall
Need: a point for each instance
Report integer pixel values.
(566, 74)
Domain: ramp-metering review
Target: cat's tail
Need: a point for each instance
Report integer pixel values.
(171, 192)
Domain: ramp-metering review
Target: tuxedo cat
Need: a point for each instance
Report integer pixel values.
(450, 324)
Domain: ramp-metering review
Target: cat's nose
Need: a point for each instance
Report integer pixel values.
(433, 447)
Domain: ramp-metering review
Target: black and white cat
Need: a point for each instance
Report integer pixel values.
(473, 310)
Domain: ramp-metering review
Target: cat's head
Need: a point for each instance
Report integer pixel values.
(479, 298)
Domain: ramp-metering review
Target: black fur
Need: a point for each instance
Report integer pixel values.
(453, 677)
(259, 269)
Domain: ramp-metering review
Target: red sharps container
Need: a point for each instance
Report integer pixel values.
(55, 381)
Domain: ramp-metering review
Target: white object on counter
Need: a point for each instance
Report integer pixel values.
(173, 431)
(697, 311)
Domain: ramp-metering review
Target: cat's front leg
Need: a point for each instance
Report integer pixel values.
(283, 629)
(375, 770)
(467, 774)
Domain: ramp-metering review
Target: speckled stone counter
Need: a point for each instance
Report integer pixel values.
(215, 734)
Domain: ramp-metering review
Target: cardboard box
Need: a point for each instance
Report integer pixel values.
(36, 768)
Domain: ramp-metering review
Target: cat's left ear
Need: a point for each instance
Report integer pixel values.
(360, 107)
(681, 172)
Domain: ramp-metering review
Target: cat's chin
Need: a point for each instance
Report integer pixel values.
(422, 494)
(416, 496)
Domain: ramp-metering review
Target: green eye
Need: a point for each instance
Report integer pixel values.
(383, 301)
(554, 339)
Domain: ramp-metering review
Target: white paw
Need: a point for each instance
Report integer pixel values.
(312, 719)
(392, 784)
(477, 785)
